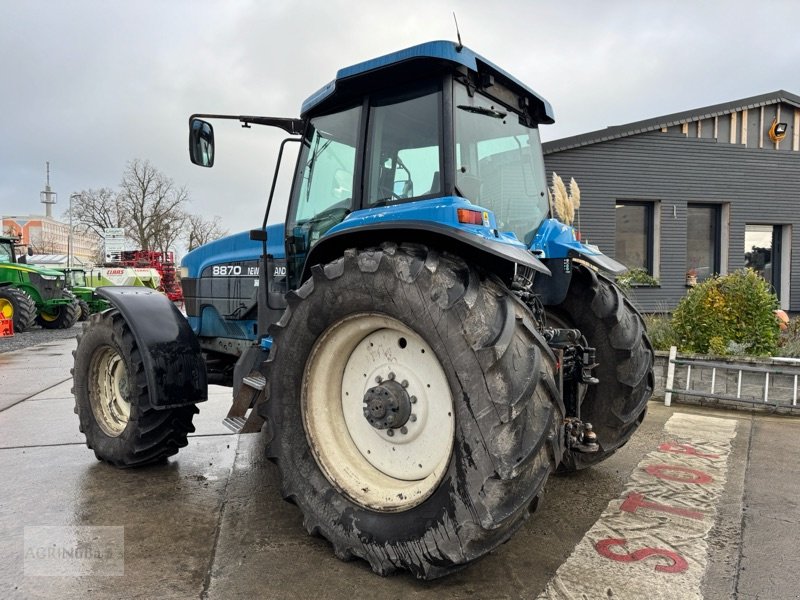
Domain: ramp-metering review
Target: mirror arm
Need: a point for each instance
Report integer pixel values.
(290, 126)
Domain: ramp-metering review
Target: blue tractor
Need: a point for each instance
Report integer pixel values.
(419, 340)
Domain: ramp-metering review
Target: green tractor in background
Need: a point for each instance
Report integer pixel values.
(88, 301)
(30, 294)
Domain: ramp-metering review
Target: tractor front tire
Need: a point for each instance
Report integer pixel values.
(17, 306)
(608, 321)
(84, 312)
(61, 316)
(112, 400)
(478, 424)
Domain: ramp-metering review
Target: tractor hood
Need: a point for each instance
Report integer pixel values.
(231, 249)
(32, 269)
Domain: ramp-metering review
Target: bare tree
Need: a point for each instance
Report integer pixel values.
(45, 243)
(200, 230)
(99, 255)
(96, 210)
(153, 206)
(149, 206)
(168, 231)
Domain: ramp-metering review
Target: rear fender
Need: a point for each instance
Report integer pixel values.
(494, 255)
(171, 355)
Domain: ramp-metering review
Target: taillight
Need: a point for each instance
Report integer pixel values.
(470, 217)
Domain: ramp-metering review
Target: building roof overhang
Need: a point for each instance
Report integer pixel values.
(657, 123)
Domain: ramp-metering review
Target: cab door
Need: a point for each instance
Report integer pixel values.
(323, 190)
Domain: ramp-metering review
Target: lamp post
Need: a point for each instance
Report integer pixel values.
(69, 237)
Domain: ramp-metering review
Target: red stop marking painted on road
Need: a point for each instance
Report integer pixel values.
(634, 501)
(656, 531)
(688, 475)
(676, 448)
(677, 564)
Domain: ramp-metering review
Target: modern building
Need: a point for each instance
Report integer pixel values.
(45, 235)
(695, 193)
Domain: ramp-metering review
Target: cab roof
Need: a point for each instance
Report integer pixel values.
(422, 59)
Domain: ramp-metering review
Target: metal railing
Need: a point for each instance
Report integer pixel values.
(769, 371)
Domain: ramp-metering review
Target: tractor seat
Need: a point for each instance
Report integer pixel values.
(436, 187)
(469, 186)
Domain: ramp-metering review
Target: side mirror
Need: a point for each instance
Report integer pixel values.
(201, 142)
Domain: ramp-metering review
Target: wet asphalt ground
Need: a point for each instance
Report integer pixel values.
(37, 335)
(210, 522)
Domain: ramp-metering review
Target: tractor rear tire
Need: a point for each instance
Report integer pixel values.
(17, 306)
(84, 312)
(608, 321)
(112, 400)
(485, 430)
(63, 316)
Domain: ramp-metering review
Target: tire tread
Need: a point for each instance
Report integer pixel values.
(157, 433)
(617, 405)
(24, 308)
(514, 368)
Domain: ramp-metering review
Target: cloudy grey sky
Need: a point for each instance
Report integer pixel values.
(90, 85)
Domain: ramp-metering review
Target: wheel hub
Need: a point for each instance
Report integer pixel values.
(378, 412)
(387, 405)
(6, 308)
(109, 392)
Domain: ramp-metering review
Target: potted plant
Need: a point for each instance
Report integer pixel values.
(691, 277)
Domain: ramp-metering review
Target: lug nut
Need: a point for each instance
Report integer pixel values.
(378, 379)
(413, 399)
(390, 432)
(412, 418)
(391, 375)
(404, 430)
(404, 383)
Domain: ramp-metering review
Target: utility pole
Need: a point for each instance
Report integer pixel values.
(69, 238)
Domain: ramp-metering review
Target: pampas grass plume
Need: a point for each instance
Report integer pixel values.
(574, 193)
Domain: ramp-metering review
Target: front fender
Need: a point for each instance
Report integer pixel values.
(173, 362)
(554, 239)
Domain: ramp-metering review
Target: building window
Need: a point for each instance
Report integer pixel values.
(703, 240)
(634, 240)
(767, 250)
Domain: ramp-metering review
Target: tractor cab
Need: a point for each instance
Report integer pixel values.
(430, 134)
(76, 277)
(435, 121)
(8, 247)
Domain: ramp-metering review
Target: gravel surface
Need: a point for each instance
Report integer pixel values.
(37, 335)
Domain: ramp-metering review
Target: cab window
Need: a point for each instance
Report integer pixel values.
(403, 147)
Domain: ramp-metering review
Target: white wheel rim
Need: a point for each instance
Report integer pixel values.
(378, 470)
(109, 390)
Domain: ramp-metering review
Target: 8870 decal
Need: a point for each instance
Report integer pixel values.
(233, 271)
